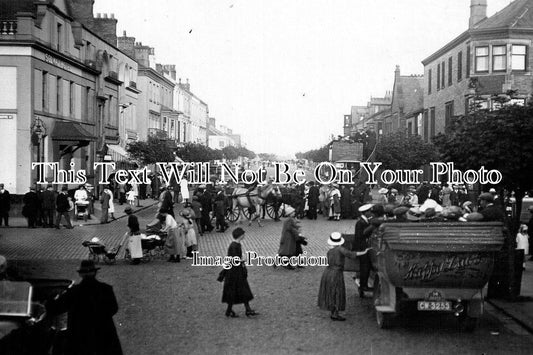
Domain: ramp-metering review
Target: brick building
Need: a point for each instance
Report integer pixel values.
(406, 105)
(489, 60)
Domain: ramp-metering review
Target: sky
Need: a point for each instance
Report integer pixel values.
(283, 73)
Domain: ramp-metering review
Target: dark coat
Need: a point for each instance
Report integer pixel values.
(5, 201)
(48, 200)
(62, 204)
(236, 287)
(493, 213)
(91, 305)
(167, 203)
(361, 238)
(31, 203)
(205, 200)
(289, 238)
(312, 196)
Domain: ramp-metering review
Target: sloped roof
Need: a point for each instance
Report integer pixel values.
(411, 97)
(518, 14)
(9, 8)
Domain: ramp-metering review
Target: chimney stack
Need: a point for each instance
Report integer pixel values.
(82, 11)
(126, 44)
(478, 12)
(106, 27)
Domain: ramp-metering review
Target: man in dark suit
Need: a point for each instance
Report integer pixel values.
(5, 205)
(31, 206)
(63, 207)
(312, 200)
(91, 305)
(361, 243)
(489, 210)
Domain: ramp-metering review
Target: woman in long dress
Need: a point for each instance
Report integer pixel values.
(111, 209)
(236, 288)
(332, 291)
(134, 241)
(174, 244)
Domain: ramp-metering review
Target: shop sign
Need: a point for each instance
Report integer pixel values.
(58, 63)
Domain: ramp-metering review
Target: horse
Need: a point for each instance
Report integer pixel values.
(242, 197)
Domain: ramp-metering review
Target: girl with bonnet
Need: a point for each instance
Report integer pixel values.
(332, 292)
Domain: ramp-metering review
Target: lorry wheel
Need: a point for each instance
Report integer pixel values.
(384, 320)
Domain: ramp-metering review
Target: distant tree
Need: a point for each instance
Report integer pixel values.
(404, 151)
(230, 152)
(267, 157)
(246, 153)
(196, 152)
(499, 140)
(151, 151)
(316, 155)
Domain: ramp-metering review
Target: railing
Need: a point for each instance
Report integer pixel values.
(8, 27)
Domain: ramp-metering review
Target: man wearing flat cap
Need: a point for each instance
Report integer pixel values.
(488, 209)
(361, 243)
(91, 305)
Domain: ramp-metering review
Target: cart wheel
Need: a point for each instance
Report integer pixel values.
(109, 261)
(271, 212)
(246, 213)
(233, 214)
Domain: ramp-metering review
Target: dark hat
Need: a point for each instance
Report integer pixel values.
(452, 212)
(486, 196)
(398, 211)
(128, 210)
(474, 217)
(237, 232)
(87, 266)
(64, 188)
(430, 212)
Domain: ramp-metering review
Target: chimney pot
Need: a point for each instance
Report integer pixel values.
(124, 33)
(113, 16)
(105, 15)
(98, 15)
(478, 12)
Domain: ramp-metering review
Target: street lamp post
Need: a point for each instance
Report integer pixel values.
(38, 132)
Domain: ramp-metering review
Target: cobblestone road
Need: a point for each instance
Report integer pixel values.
(171, 308)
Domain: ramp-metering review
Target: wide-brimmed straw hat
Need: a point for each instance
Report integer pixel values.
(429, 203)
(383, 190)
(335, 238)
(366, 207)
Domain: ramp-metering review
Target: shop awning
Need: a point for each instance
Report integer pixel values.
(117, 153)
(71, 131)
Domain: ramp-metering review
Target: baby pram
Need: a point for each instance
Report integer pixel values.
(154, 243)
(81, 210)
(98, 251)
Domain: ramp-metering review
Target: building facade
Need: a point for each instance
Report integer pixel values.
(487, 62)
(62, 88)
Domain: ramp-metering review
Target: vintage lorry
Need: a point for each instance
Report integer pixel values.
(431, 267)
(439, 267)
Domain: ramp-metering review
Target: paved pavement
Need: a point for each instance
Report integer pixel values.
(169, 308)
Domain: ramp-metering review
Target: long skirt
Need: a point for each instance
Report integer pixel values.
(236, 288)
(175, 243)
(332, 292)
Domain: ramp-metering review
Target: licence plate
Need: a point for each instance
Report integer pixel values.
(434, 306)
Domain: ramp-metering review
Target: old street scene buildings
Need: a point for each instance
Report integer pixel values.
(74, 93)
(488, 62)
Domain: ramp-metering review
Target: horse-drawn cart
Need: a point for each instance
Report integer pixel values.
(439, 267)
